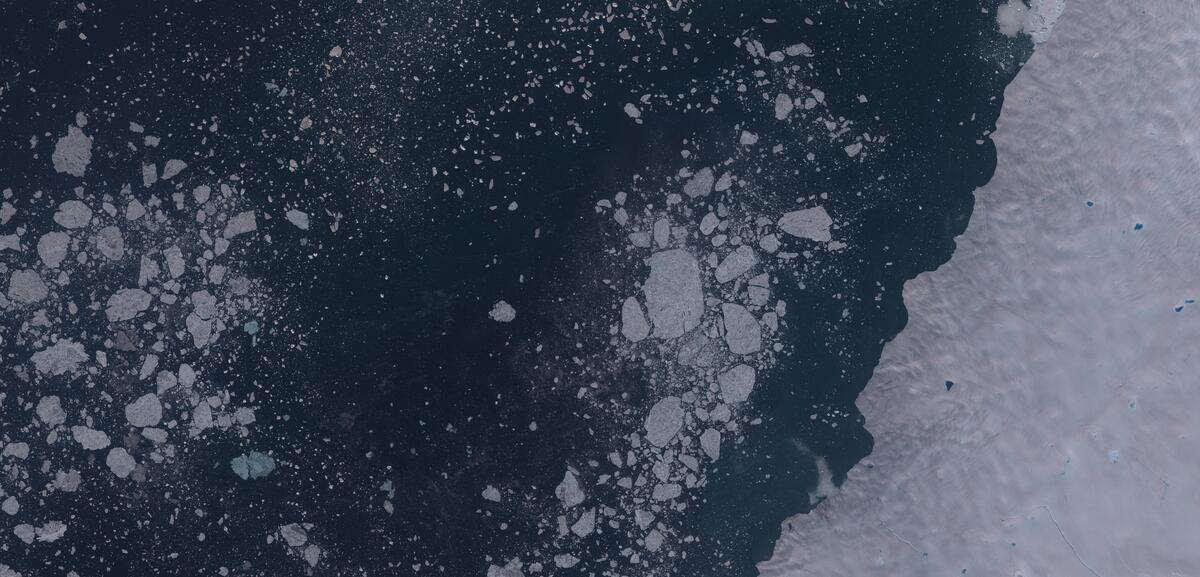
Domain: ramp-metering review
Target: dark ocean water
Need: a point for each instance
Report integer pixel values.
(384, 366)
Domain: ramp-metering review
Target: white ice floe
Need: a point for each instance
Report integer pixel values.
(664, 421)
(811, 223)
(502, 312)
(674, 297)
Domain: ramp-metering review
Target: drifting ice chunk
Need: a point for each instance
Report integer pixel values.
(111, 243)
(701, 184)
(52, 248)
(126, 304)
(664, 421)
(73, 214)
(172, 168)
(491, 494)
(736, 383)
(674, 298)
(50, 412)
(783, 106)
(146, 411)
(742, 333)
(633, 321)
(294, 534)
(586, 524)
(120, 462)
(72, 153)
(298, 218)
(255, 465)
(26, 287)
(810, 223)
(632, 111)
(242, 223)
(502, 312)
(90, 438)
(568, 491)
(710, 441)
(61, 357)
(736, 264)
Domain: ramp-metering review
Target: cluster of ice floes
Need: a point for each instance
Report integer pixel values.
(704, 321)
(117, 301)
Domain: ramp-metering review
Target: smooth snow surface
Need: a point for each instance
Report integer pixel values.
(1067, 446)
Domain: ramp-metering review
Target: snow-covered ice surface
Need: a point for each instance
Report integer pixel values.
(1037, 416)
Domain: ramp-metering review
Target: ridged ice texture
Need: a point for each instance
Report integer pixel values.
(1068, 444)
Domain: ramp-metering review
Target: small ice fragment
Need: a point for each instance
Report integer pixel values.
(632, 111)
(664, 421)
(736, 383)
(491, 494)
(666, 492)
(502, 312)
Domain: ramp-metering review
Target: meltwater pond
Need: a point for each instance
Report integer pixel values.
(365, 288)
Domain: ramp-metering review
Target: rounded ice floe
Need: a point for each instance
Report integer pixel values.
(52, 248)
(743, 335)
(737, 383)
(90, 438)
(569, 490)
(172, 168)
(502, 312)
(811, 223)
(632, 111)
(633, 320)
(664, 421)
(110, 242)
(72, 153)
(120, 462)
(145, 411)
(783, 106)
(492, 494)
(674, 297)
(62, 357)
(126, 304)
(26, 287)
(50, 412)
(73, 214)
